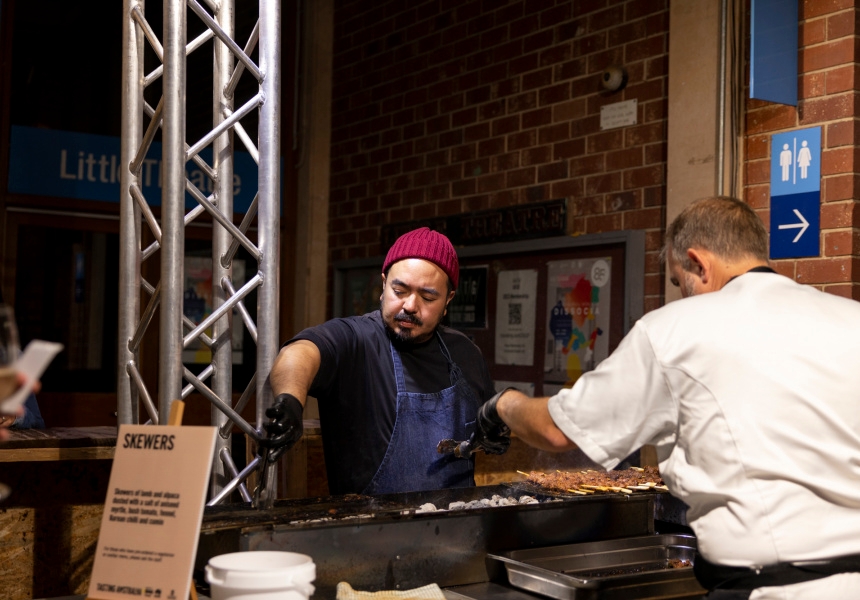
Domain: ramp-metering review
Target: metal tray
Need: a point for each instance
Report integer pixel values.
(627, 568)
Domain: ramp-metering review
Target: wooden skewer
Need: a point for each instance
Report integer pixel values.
(580, 492)
(522, 473)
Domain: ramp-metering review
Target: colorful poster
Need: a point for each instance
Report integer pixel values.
(578, 303)
(516, 298)
(197, 305)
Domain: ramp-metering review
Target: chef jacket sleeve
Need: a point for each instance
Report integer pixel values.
(622, 405)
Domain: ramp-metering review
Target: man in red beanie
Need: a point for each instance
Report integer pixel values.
(392, 383)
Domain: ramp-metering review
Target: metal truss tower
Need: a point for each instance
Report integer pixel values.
(144, 237)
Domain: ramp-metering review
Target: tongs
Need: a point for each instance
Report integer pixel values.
(458, 449)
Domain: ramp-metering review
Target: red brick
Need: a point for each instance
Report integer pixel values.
(841, 79)
(828, 108)
(503, 162)
(508, 51)
(837, 215)
(639, 8)
(554, 133)
(491, 147)
(624, 201)
(553, 16)
(537, 79)
(450, 207)
(451, 172)
(758, 171)
(424, 211)
(465, 152)
(605, 19)
(599, 224)
(505, 88)
(522, 102)
(491, 110)
(605, 141)
(476, 132)
(491, 182)
(824, 270)
(757, 196)
(521, 140)
(838, 160)
(812, 85)
(839, 134)
(644, 176)
(568, 188)
(840, 187)
(554, 94)
(554, 55)
(823, 56)
(569, 149)
(770, 118)
(441, 191)
(842, 24)
(523, 64)
(567, 111)
(586, 126)
(464, 117)
(536, 118)
(587, 165)
(840, 243)
(475, 168)
(524, 26)
(571, 69)
(624, 159)
(645, 134)
(647, 218)
(655, 153)
(584, 205)
(464, 187)
(550, 171)
(603, 184)
(537, 155)
(654, 196)
(757, 146)
(521, 177)
(539, 40)
(810, 9)
(644, 49)
(627, 32)
(506, 125)
(812, 32)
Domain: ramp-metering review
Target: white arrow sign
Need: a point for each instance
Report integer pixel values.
(802, 226)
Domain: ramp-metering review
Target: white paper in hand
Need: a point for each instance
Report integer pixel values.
(32, 363)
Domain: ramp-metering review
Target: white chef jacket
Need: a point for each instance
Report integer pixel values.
(751, 396)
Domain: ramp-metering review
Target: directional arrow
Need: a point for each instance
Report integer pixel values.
(802, 226)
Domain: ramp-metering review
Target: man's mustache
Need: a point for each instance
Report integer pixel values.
(402, 316)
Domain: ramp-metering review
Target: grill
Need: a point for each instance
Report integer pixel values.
(384, 542)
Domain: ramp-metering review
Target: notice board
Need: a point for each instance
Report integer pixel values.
(542, 311)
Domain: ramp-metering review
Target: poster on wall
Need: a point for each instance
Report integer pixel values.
(578, 304)
(468, 309)
(197, 305)
(516, 297)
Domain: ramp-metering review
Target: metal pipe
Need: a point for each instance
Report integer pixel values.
(172, 206)
(240, 306)
(228, 489)
(201, 39)
(721, 104)
(247, 142)
(230, 466)
(134, 373)
(129, 248)
(240, 68)
(223, 126)
(228, 41)
(224, 221)
(225, 307)
(137, 15)
(243, 227)
(268, 218)
(240, 406)
(225, 408)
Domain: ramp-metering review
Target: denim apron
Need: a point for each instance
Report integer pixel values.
(411, 462)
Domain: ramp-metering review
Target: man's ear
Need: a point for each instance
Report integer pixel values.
(700, 264)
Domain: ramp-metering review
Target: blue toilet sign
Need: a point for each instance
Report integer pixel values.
(795, 193)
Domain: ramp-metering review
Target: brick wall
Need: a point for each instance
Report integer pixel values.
(826, 97)
(449, 106)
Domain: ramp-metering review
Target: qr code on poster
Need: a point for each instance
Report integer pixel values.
(515, 314)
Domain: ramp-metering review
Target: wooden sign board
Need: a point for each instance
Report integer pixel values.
(154, 506)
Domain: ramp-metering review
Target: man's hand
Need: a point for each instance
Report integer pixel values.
(491, 433)
(284, 428)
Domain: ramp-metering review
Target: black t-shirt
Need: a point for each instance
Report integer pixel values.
(357, 392)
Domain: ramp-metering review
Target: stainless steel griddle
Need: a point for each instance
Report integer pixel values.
(384, 542)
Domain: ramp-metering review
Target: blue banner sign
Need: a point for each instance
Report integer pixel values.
(46, 162)
(795, 193)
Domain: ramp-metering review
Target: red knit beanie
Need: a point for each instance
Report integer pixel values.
(428, 245)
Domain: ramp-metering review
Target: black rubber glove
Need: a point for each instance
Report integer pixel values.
(284, 428)
(491, 433)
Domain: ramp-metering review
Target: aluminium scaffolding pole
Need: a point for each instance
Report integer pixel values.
(176, 330)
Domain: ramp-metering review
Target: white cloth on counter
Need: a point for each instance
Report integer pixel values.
(427, 592)
(751, 396)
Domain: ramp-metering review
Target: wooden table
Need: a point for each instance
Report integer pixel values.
(59, 443)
